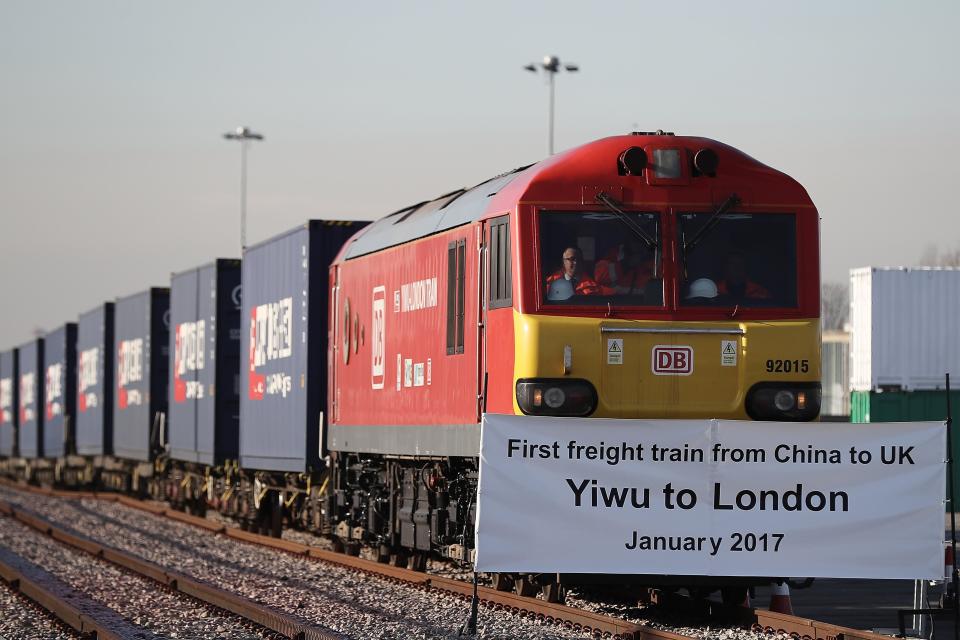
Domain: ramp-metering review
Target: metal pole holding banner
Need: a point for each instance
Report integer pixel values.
(950, 599)
(954, 578)
(470, 628)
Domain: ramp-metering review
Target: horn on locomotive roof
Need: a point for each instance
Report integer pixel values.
(633, 161)
(706, 161)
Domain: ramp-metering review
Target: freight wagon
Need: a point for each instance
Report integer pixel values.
(141, 351)
(204, 402)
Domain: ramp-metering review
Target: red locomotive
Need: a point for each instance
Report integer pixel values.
(515, 296)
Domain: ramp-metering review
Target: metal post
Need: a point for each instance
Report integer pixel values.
(551, 66)
(244, 135)
(919, 603)
(955, 579)
(243, 195)
(552, 74)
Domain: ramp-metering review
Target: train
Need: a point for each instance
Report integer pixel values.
(335, 378)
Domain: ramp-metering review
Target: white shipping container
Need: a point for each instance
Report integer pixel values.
(835, 374)
(905, 327)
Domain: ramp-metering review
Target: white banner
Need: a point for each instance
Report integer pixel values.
(711, 497)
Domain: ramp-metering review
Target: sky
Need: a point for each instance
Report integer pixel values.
(114, 172)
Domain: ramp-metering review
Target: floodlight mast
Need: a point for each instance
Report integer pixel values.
(245, 135)
(551, 66)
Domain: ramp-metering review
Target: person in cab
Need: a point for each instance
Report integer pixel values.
(736, 285)
(625, 269)
(570, 279)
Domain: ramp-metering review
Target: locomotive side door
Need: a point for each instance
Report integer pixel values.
(495, 379)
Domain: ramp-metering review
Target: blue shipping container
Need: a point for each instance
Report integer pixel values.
(60, 392)
(204, 403)
(9, 400)
(31, 399)
(141, 342)
(94, 424)
(284, 343)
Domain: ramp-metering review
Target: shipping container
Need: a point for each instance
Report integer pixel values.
(141, 345)
(909, 406)
(284, 342)
(9, 400)
(30, 362)
(904, 327)
(60, 390)
(94, 430)
(835, 374)
(204, 402)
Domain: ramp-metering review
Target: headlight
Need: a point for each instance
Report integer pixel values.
(783, 400)
(795, 401)
(556, 397)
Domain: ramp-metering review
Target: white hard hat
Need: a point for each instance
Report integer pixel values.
(702, 288)
(560, 289)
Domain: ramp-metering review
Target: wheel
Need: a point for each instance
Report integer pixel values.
(554, 592)
(502, 581)
(526, 587)
(735, 596)
(383, 554)
(419, 561)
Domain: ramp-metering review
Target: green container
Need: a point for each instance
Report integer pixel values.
(901, 406)
(910, 406)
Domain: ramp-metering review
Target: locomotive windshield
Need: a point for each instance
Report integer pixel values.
(595, 258)
(740, 259)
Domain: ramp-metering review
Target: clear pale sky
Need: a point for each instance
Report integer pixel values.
(113, 172)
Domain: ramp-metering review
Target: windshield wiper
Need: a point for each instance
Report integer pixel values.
(712, 221)
(640, 232)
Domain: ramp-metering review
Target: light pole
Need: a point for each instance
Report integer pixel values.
(244, 135)
(551, 66)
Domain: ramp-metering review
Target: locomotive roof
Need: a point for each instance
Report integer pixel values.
(432, 216)
(589, 163)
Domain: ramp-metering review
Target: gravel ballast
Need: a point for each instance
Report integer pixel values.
(144, 603)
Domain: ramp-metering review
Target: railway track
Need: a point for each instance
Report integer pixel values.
(96, 589)
(494, 602)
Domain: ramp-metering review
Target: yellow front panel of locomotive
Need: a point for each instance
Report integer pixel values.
(667, 374)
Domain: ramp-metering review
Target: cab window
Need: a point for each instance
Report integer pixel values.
(737, 259)
(600, 258)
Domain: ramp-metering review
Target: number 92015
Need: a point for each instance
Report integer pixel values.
(788, 366)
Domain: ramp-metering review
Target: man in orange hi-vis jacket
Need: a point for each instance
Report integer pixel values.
(572, 271)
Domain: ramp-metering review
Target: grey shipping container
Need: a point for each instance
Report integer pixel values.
(60, 392)
(31, 399)
(204, 403)
(94, 424)
(284, 342)
(141, 343)
(9, 399)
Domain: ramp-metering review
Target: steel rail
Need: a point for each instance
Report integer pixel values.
(287, 625)
(607, 626)
(71, 606)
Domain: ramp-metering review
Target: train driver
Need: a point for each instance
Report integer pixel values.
(736, 284)
(625, 269)
(570, 279)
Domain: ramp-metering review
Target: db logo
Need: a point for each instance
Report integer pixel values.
(669, 360)
(379, 337)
